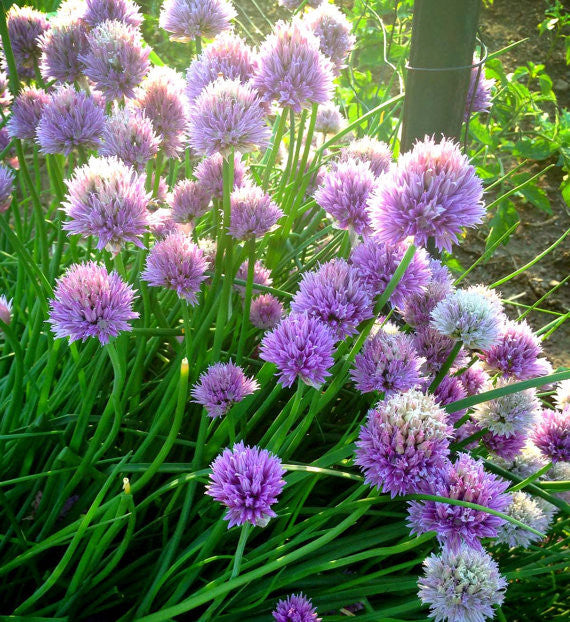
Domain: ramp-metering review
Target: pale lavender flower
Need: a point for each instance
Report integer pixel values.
(562, 397)
(474, 379)
(189, 201)
(334, 31)
(403, 443)
(344, 195)
(526, 510)
(247, 480)
(129, 135)
(161, 223)
(468, 316)
(25, 25)
(5, 95)
(435, 348)
(70, 11)
(91, 302)
(161, 96)
(479, 93)
(387, 363)
(6, 187)
(432, 192)
(371, 150)
(115, 60)
(221, 386)
(227, 56)
(461, 586)
(261, 276)
(253, 213)
(265, 311)
(526, 463)
(376, 263)
(509, 414)
(227, 115)
(506, 447)
(295, 608)
(178, 264)
(62, 46)
(107, 199)
(301, 347)
(187, 19)
(70, 119)
(98, 11)
(209, 174)
(551, 434)
(335, 294)
(329, 119)
(292, 70)
(5, 309)
(464, 480)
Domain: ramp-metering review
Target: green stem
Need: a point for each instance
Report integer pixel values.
(239, 550)
(531, 478)
(273, 149)
(446, 366)
(247, 301)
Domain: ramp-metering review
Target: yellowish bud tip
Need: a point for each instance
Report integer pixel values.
(184, 366)
(126, 485)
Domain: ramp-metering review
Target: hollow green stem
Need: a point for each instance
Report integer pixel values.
(446, 366)
(247, 301)
(240, 549)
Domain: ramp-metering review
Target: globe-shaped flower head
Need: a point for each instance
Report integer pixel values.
(161, 224)
(551, 434)
(525, 509)
(301, 347)
(187, 19)
(221, 386)
(334, 294)
(5, 309)
(27, 110)
(62, 47)
(189, 201)
(209, 174)
(435, 348)
(432, 192)
(99, 11)
(344, 195)
(261, 276)
(25, 25)
(253, 213)
(479, 93)
(91, 302)
(462, 586)
(71, 119)
(371, 150)
(178, 264)
(106, 198)
(6, 187)
(329, 119)
(464, 480)
(227, 115)
(265, 311)
(292, 70)
(295, 608)
(228, 56)
(403, 443)
(247, 480)
(115, 60)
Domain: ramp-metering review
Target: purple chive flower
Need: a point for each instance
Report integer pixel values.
(461, 586)
(91, 302)
(448, 391)
(161, 96)
(261, 276)
(25, 25)
(294, 4)
(467, 316)
(221, 386)
(432, 192)
(292, 70)
(178, 264)
(265, 311)
(227, 115)
(189, 201)
(344, 195)
(106, 198)
(526, 463)
(335, 294)
(376, 153)
(376, 262)
(551, 434)
(116, 61)
(464, 480)
(6, 187)
(129, 135)
(62, 47)
(387, 363)
(506, 447)
(479, 93)
(99, 11)
(516, 352)
(417, 307)
(474, 379)
(509, 414)
(403, 443)
(435, 348)
(334, 31)
(209, 174)
(187, 19)
(527, 510)
(301, 347)
(562, 397)
(70, 119)
(295, 608)
(329, 119)
(5, 309)
(227, 56)
(247, 480)
(161, 224)
(253, 213)
(5, 95)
